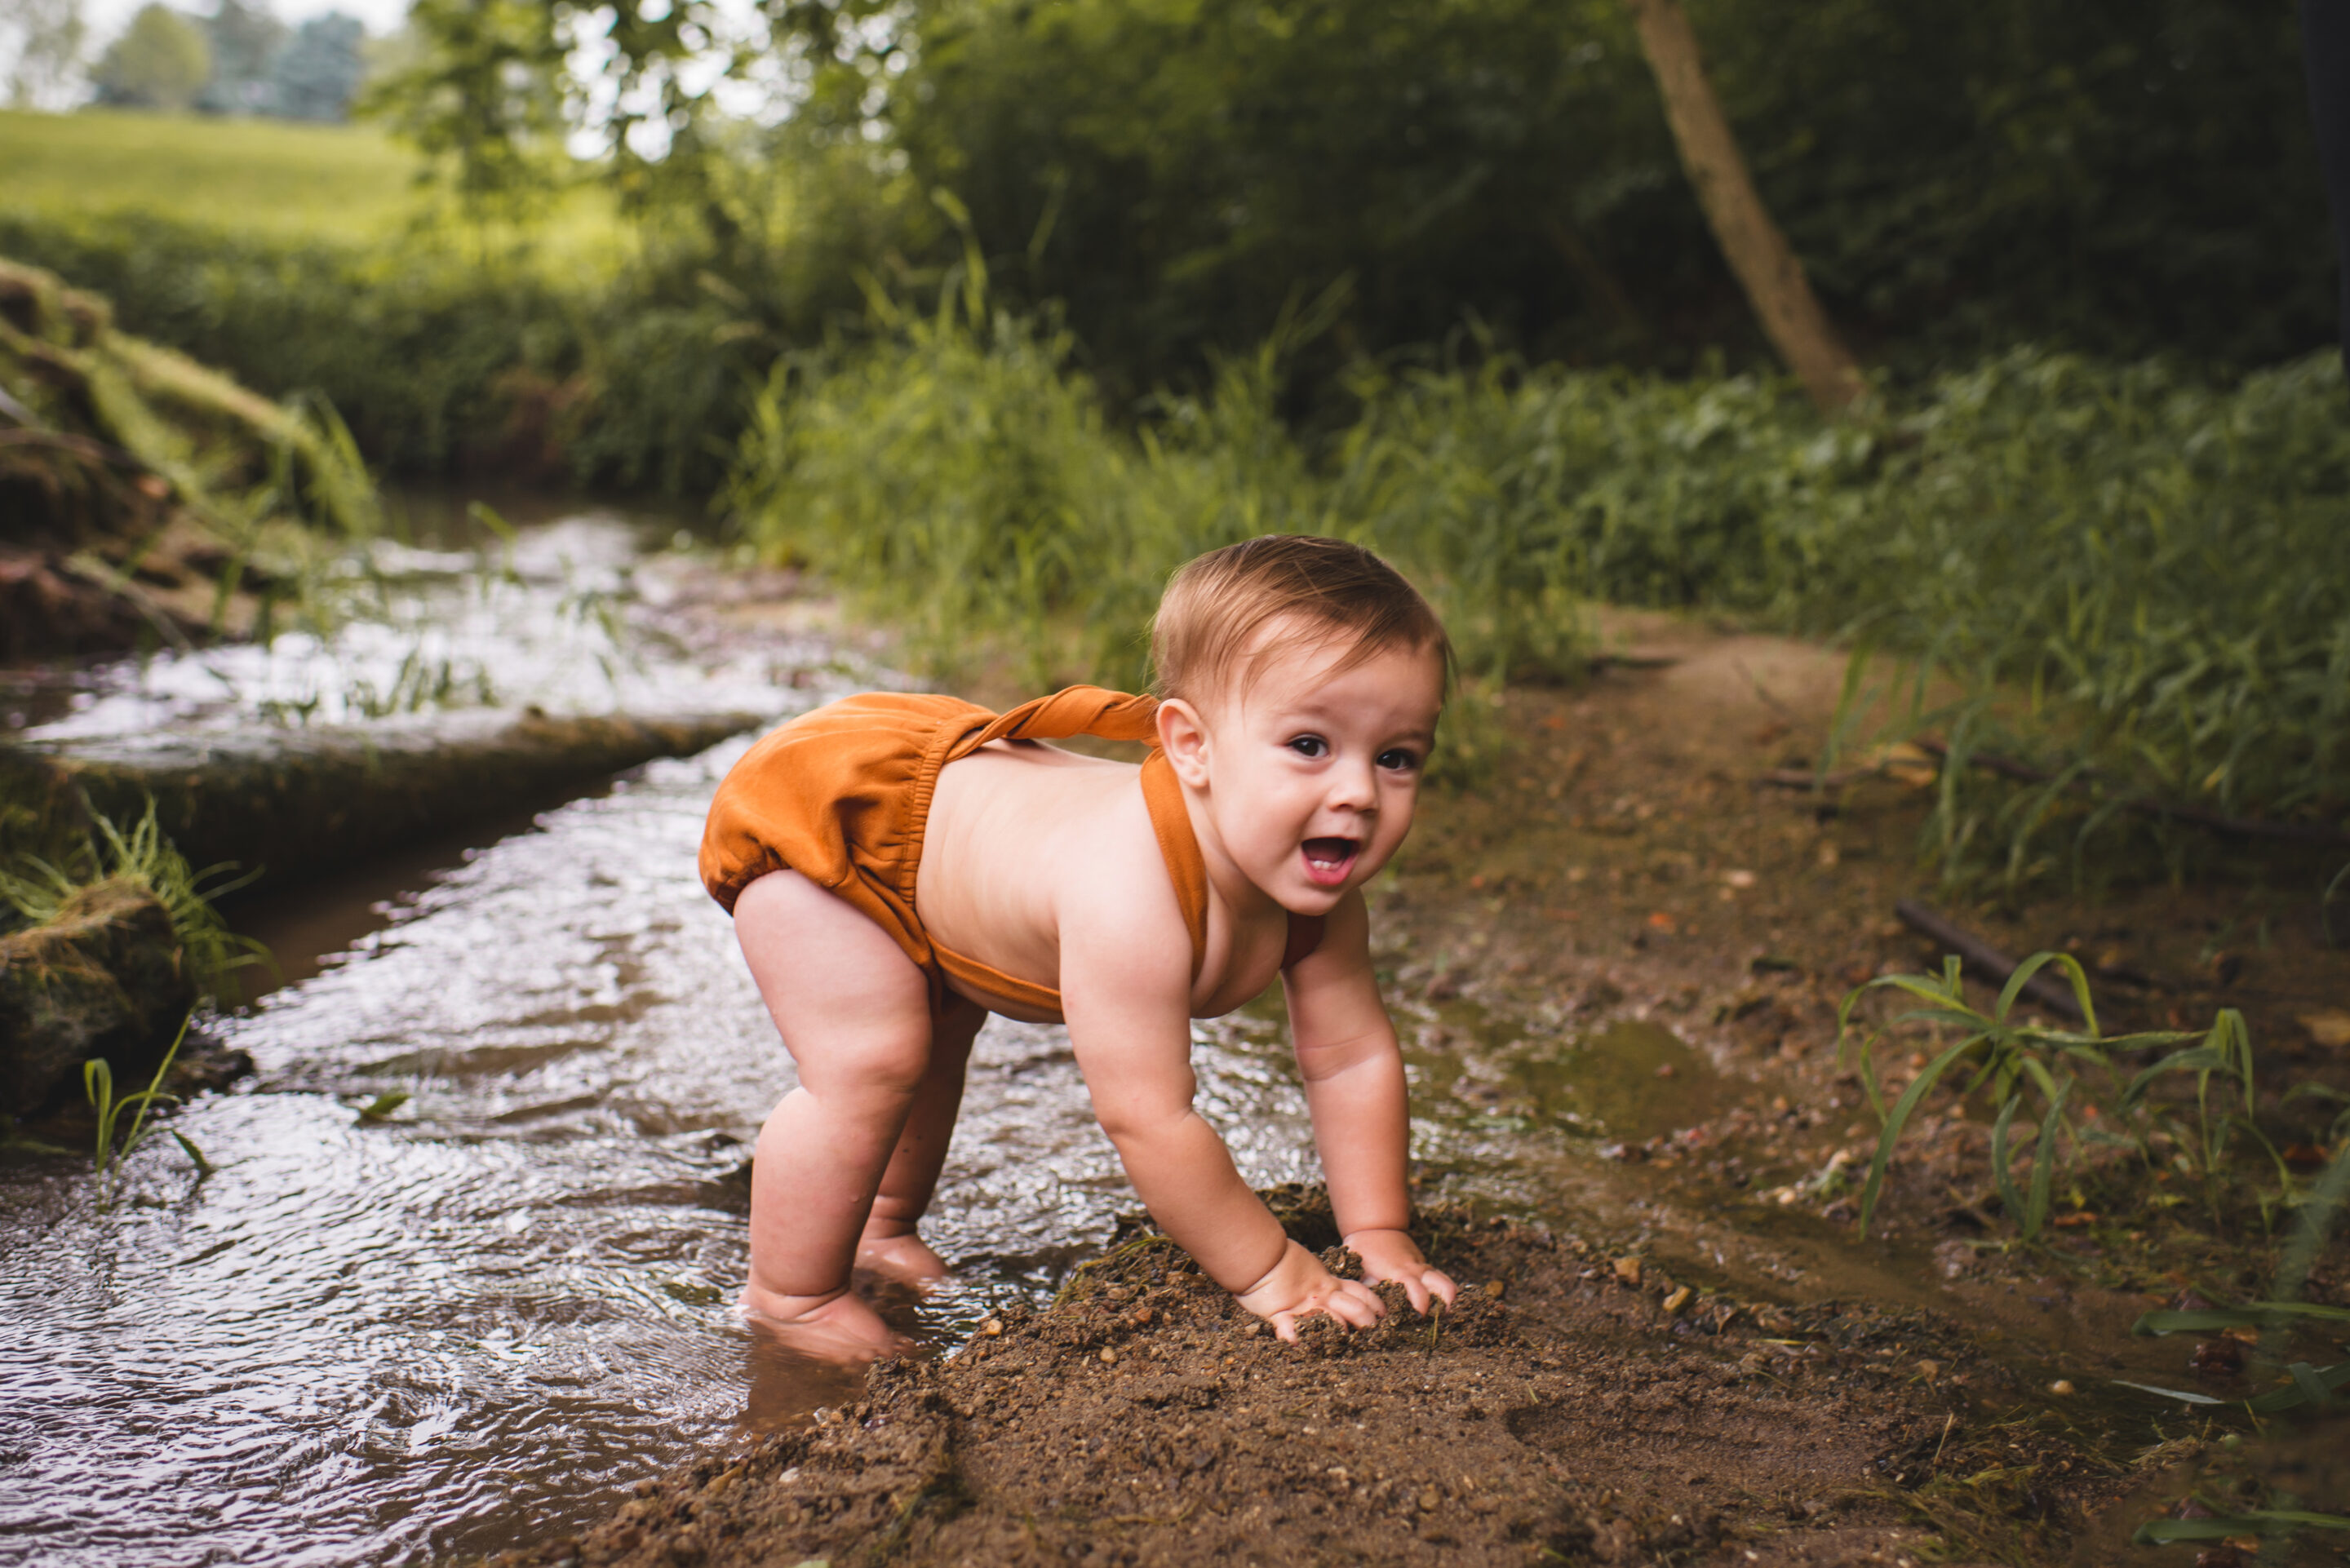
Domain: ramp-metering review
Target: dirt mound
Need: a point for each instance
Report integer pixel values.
(1573, 1407)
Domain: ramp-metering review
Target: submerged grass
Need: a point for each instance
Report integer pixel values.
(2131, 575)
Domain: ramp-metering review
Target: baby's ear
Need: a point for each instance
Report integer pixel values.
(1184, 738)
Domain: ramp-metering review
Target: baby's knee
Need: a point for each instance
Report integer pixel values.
(881, 1062)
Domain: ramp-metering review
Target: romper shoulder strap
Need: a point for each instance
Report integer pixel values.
(1076, 710)
(1117, 716)
(1162, 792)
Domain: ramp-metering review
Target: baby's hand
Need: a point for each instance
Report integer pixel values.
(1392, 1256)
(1299, 1286)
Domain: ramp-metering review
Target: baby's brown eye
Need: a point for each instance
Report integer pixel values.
(1309, 746)
(1399, 761)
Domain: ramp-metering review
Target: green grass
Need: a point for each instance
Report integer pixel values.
(261, 178)
(2137, 578)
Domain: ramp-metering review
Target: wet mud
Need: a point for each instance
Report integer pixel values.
(1576, 1405)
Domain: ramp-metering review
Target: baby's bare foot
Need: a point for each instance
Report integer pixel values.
(839, 1328)
(906, 1259)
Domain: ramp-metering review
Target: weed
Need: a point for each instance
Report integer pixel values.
(2017, 1059)
(37, 888)
(98, 1083)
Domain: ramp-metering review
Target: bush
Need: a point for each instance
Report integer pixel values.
(442, 359)
(2147, 566)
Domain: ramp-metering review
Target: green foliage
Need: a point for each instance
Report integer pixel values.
(2225, 1054)
(2219, 1526)
(2021, 1062)
(37, 888)
(2017, 1061)
(161, 61)
(962, 482)
(453, 348)
(2144, 565)
(98, 1083)
(2121, 176)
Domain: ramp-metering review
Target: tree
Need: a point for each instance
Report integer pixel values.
(317, 72)
(1766, 266)
(44, 40)
(245, 42)
(161, 61)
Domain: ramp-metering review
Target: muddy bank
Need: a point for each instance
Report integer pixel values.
(139, 490)
(304, 802)
(1576, 1406)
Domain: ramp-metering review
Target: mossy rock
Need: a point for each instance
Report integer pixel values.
(104, 978)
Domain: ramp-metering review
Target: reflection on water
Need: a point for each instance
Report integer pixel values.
(558, 618)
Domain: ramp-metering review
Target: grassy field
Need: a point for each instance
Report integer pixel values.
(260, 178)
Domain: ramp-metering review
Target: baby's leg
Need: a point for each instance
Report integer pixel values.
(889, 1245)
(854, 1012)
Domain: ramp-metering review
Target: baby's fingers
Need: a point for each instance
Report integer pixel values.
(1355, 1306)
(1285, 1327)
(1438, 1284)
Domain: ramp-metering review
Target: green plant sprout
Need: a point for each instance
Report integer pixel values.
(380, 1109)
(2017, 1059)
(98, 1083)
(2226, 1054)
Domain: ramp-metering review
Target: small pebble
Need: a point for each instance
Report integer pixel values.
(1678, 1299)
(1629, 1271)
(2061, 1386)
(1109, 1355)
(992, 1326)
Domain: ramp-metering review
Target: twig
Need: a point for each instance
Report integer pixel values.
(1804, 778)
(1984, 956)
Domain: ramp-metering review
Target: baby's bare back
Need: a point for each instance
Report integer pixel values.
(1023, 839)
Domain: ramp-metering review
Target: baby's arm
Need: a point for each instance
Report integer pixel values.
(1129, 1021)
(1353, 1069)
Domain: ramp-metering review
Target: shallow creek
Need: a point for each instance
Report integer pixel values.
(434, 1332)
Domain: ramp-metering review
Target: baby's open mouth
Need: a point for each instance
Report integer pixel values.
(1327, 860)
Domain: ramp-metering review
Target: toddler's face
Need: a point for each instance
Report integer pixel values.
(1313, 772)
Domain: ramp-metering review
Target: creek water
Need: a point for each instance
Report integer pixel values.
(399, 1337)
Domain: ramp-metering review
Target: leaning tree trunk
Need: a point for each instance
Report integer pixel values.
(1758, 252)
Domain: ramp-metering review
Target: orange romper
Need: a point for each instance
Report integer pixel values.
(842, 796)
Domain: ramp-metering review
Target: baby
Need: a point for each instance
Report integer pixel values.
(900, 865)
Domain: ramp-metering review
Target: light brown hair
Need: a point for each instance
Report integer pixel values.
(1212, 618)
